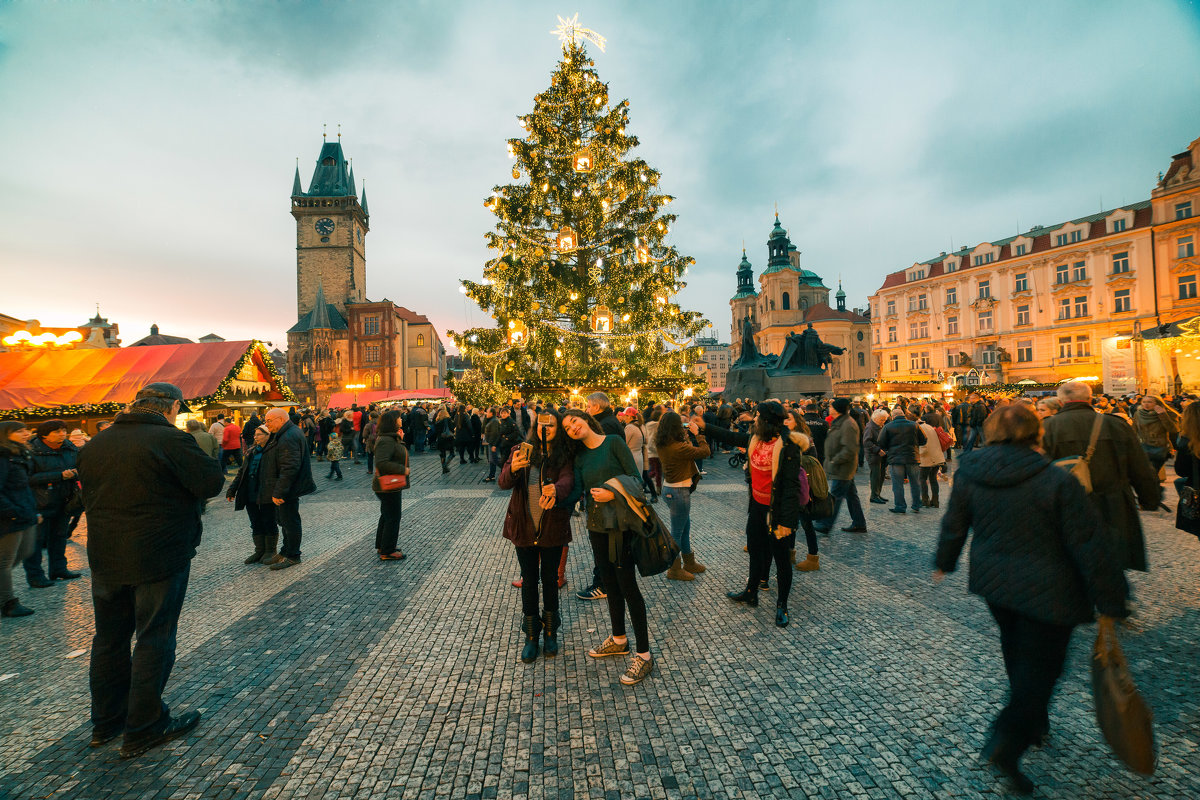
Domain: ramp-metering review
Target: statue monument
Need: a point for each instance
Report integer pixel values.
(799, 371)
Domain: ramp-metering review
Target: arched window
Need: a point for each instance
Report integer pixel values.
(787, 301)
(803, 303)
(862, 359)
(375, 379)
(772, 305)
(420, 340)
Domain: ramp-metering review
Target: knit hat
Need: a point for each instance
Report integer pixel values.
(772, 411)
(841, 405)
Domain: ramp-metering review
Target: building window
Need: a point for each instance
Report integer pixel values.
(1185, 247)
(1064, 347)
(1022, 315)
(923, 329)
(891, 308)
(986, 258)
(1024, 351)
(1121, 301)
(952, 296)
(1076, 236)
(891, 333)
(916, 275)
(951, 326)
(985, 288)
(988, 356)
(1021, 284)
(1120, 262)
(787, 301)
(1183, 210)
(925, 359)
(1118, 225)
(1083, 346)
(914, 361)
(1019, 250)
(877, 336)
(371, 354)
(1187, 287)
(1060, 240)
(1081, 308)
(950, 266)
(1064, 308)
(951, 358)
(912, 330)
(985, 320)
(370, 326)
(862, 359)
(1079, 273)
(893, 363)
(1062, 273)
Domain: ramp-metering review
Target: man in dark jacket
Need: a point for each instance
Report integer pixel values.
(144, 483)
(285, 476)
(248, 430)
(875, 456)
(899, 441)
(1119, 469)
(977, 414)
(818, 427)
(841, 450)
(53, 481)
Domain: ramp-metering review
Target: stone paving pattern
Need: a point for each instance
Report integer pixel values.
(346, 676)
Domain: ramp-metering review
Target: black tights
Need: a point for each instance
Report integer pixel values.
(539, 562)
(620, 582)
(763, 546)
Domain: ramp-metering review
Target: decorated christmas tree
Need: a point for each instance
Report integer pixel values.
(583, 281)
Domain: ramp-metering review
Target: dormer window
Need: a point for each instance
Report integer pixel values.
(1118, 225)
(1019, 250)
(950, 265)
(916, 275)
(328, 161)
(984, 258)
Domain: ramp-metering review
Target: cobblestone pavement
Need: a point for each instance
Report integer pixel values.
(346, 676)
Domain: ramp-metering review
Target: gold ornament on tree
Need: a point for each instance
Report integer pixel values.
(583, 160)
(516, 173)
(566, 240)
(602, 320)
(516, 331)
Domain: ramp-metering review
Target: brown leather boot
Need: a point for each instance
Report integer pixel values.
(270, 556)
(810, 564)
(678, 573)
(692, 565)
(562, 568)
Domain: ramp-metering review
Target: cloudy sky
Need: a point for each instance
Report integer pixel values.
(151, 146)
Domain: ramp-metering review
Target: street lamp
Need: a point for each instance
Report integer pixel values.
(356, 387)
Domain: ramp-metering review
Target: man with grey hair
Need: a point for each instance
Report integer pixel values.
(1119, 468)
(875, 456)
(285, 475)
(144, 484)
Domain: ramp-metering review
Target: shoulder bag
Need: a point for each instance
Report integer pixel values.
(394, 483)
(1078, 465)
(1121, 712)
(1187, 513)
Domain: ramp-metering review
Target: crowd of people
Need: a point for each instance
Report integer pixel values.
(1048, 550)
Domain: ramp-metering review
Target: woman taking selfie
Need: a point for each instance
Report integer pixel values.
(541, 474)
(599, 459)
(678, 457)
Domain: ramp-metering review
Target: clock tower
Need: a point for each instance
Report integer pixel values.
(331, 230)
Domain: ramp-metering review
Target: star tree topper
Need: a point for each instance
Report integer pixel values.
(568, 29)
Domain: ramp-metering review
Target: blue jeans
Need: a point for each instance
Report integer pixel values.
(973, 437)
(127, 691)
(899, 472)
(679, 500)
(844, 490)
(419, 437)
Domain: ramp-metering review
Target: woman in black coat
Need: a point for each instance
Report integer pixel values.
(391, 458)
(55, 482)
(243, 493)
(18, 511)
(463, 433)
(1039, 559)
(443, 437)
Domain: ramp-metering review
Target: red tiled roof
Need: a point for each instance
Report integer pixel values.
(412, 316)
(819, 311)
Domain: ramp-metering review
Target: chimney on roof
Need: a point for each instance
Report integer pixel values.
(154, 329)
(943, 252)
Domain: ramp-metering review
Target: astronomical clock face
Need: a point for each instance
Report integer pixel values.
(325, 226)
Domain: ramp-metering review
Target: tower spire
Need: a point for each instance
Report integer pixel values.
(363, 201)
(297, 190)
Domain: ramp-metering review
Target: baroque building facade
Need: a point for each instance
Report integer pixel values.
(787, 300)
(1041, 306)
(340, 337)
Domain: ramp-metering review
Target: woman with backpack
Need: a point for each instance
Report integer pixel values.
(599, 459)
(778, 492)
(678, 457)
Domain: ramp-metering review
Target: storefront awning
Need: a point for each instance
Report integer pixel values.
(346, 399)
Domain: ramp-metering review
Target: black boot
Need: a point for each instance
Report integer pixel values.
(260, 547)
(532, 629)
(749, 597)
(13, 608)
(270, 542)
(551, 620)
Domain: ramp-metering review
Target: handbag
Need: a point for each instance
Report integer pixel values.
(393, 483)
(653, 548)
(1121, 711)
(1078, 465)
(1187, 513)
(944, 439)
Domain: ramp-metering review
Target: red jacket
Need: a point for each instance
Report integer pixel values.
(231, 439)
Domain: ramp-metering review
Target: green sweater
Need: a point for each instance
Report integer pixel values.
(608, 460)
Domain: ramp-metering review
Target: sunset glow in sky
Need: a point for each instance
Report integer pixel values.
(150, 147)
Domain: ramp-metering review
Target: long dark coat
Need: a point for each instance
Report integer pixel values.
(555, 529)
(285, 471)
(1119, 469)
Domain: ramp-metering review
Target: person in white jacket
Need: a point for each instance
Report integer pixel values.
(931, 458)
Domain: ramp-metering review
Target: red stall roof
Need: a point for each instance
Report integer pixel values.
(57, 378)
(346, 399)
